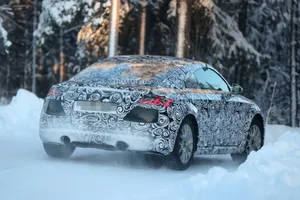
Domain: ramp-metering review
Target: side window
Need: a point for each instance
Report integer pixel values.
(210, 80)
(192, 82)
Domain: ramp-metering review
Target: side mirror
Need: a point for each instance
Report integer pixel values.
(236, 89)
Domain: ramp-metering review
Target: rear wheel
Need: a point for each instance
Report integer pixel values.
(58, 150)
(184, 149)
(254, 141)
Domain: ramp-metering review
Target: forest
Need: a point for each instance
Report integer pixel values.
(254, 43)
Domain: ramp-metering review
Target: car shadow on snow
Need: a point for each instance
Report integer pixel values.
(141, 161)
(206, 162)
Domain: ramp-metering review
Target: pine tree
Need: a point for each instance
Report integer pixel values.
(58, 27)
(5, 70)
(269, 31)
(293, 64)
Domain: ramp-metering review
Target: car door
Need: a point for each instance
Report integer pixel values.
(211, 107)
(231, 113)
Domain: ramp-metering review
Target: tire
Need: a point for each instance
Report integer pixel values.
(185, 142)
(58, 151)
(254, 141)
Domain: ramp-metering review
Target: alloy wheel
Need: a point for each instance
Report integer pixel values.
(253, 139)
(186, 142)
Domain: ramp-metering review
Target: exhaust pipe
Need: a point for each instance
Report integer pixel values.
(65, 139)
(123, 146)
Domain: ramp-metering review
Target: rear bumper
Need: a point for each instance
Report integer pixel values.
(143, 130)
(97, 139)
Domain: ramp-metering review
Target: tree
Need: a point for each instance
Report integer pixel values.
(293, 64)
(13, 54)
(219, 41)
(183, 18)
(59, 19)
(93, 37)
(269, 30)
(3, 57)
(114, 28)
(4, 45)
(297, 39)
(142, 35)
(34, 47)
(5, 12)
(4, 42)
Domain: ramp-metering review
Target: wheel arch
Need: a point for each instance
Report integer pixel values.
(192, 118)
(260, 118)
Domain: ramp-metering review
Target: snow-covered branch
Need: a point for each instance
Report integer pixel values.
(4, 42)
(62, 13)
(225, 27)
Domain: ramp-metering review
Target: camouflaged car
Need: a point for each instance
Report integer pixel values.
(170, 107)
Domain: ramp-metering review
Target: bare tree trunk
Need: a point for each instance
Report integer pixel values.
(142, 28)
(243, 15)
(298, 59)
(293, 68)
(114, 28)
(8, 78)
(61, 55)
(26, 60)
(34, 48)
(183, 18)
(242, 22)
(271, 104)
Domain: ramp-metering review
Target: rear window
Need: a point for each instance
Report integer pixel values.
(138, 74)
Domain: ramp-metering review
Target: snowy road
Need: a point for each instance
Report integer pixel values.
(27, 173)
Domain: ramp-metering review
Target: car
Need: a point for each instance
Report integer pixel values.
(168, 107)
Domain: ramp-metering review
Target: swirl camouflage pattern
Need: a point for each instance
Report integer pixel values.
(142, 103)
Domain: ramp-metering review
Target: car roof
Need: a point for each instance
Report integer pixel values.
(147, 58)
(153, 63)
(149, 68)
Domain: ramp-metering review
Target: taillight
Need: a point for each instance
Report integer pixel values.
(158, 101)
(55, 92)
(55, 108)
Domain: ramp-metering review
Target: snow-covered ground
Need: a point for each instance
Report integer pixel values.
(26, 173)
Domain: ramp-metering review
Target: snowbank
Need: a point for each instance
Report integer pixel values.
(21, 116)
(273, 132)
(273, 173)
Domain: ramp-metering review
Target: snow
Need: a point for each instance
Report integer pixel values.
(21, 114)
(273, 173)
(3, 35)
(172, 9)
(62, 11)
(3, 32)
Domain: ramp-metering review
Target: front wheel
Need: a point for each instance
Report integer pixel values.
(184, 149)
(254, 141)
(59, 150)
